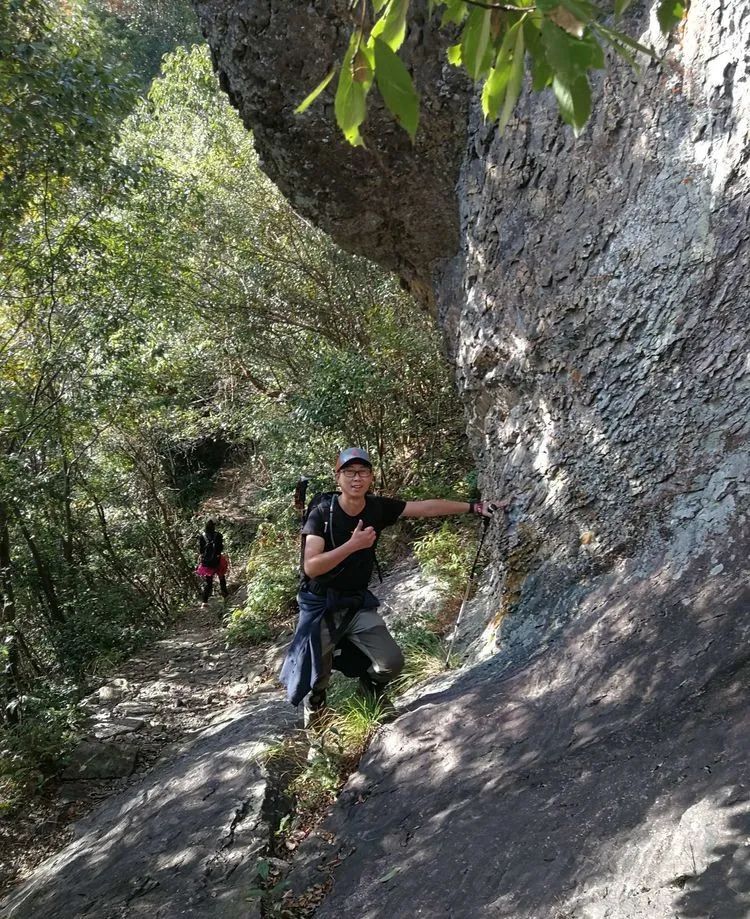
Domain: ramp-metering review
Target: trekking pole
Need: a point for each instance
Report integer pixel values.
(485, 525)
(300, 494)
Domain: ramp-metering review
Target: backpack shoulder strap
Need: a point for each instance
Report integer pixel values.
(332, 502)
(324, 500)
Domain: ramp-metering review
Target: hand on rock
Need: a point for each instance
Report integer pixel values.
(490, 508)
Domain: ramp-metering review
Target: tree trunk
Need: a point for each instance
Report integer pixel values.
(44, 574)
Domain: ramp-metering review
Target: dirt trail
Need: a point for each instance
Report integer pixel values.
(167, 692)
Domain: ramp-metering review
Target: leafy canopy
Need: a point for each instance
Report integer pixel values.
(563, 41)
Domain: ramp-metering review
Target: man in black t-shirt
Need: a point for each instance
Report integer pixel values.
(339, 555)
(337, 528)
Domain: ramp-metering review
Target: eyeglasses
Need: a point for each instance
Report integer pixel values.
(353, 473)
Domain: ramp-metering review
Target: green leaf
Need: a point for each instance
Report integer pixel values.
(363, 66)
(570, 56)
(621, 38)
(621, 6)
(454, 14)
(454, 55)
(475, 42)
(493, 91)
(541, 72)
(350, 104)
(598, 61)
(396, 87)
(496, 84)
(390, 875)
(391, 27)
(581, 9)
(625, 54)
(670, 13)
(308, 100)
(515, 82)
(556, 44)
(573, 100)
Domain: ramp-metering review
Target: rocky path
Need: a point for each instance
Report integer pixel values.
(155, 703)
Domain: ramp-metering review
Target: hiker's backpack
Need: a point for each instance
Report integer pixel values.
(211, 551)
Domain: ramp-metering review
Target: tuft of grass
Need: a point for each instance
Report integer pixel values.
(317, 762)
(352, 724)
(424, 653)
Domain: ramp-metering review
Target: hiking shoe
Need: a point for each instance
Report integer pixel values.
(314, 709)
(370, 689)
(204, 605)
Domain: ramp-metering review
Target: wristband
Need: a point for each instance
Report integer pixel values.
(472, 507)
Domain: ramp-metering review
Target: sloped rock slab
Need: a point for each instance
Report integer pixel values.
(183, 843)
(606, 778)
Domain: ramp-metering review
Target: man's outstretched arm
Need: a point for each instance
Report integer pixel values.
(439, 507)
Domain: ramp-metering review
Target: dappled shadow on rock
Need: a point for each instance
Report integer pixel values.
(720, 888)
(574, 785)
(182, 843)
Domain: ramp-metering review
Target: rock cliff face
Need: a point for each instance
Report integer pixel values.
(393, 202)
(594, 297)
(601, 331)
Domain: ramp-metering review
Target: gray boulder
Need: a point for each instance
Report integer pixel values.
(94, 759)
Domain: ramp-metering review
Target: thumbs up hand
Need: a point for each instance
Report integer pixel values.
(362, 537)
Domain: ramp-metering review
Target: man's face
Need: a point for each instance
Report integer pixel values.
(354, 479)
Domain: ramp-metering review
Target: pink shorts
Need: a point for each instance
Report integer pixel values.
(204, 572)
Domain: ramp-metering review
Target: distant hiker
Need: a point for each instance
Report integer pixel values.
(212, 561)
(337, 613)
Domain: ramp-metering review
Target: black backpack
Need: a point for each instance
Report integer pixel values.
(211, 551)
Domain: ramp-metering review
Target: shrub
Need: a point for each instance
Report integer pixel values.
(447, 553)
(424, 653)
(271, 586)
(35, 748)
